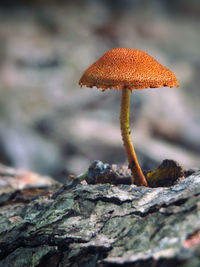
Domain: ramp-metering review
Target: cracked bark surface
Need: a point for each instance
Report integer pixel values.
(102, 225)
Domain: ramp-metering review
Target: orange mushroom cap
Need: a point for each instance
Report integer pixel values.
(131, 68)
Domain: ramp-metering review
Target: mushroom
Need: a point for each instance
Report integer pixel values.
(128, 69)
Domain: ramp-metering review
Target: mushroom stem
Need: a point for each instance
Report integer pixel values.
(137, 173)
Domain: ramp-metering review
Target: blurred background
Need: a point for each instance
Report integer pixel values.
(50, 125)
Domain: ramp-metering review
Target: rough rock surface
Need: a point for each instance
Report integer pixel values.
(103, 225)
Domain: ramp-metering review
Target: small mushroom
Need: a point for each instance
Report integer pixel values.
(128, 69)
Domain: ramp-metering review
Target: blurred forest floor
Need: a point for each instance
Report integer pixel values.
(49, 124)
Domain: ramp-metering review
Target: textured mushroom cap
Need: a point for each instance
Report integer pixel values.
(131, 68)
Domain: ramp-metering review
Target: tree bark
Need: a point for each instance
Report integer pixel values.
(101, 225)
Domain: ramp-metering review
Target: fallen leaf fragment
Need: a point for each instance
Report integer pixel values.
(167, 174)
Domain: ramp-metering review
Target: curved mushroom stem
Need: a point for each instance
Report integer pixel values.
(137, 173)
